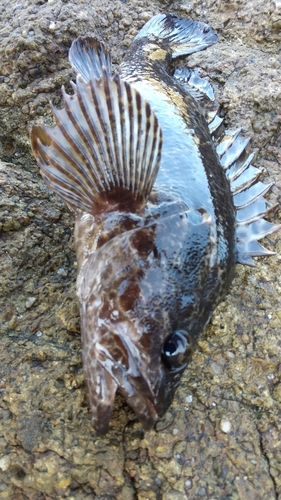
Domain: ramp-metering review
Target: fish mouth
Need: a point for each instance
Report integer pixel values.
(131, 382)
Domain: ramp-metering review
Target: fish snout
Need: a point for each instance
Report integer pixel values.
(128, 374)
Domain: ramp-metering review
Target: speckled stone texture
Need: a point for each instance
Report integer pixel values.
(221, 438)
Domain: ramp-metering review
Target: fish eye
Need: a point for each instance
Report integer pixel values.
(176, 349)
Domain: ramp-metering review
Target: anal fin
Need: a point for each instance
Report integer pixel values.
(88, 57)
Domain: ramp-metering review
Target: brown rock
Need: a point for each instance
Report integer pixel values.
(47, 446)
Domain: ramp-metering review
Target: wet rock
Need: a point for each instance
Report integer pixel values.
(221, 437)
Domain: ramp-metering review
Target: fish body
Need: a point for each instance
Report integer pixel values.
(165, 205)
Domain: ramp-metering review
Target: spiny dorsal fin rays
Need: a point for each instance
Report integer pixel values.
(248, 194)
(199, 87)
(88, 57)
(105, 147)
(247, 250)
(214, 122)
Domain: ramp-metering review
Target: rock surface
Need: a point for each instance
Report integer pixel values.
(221, 438)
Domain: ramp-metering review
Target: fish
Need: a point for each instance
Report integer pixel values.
(166, 202)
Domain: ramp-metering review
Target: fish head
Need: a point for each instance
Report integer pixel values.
(141, 312)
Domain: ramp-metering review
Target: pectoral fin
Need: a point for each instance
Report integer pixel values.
(104, 152)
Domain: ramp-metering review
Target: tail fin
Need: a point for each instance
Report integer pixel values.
(182, 36)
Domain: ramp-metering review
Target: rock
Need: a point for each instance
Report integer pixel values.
(47, 445)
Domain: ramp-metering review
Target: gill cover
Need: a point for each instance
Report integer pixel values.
(136, 292)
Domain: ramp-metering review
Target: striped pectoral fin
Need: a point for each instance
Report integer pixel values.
(105, 149)
(88, 57)
(181, 36)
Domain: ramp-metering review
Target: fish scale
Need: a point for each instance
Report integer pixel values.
(165, 202)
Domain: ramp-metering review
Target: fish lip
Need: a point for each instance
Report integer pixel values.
(132, 384)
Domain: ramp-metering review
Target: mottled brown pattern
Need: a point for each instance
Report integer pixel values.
(152, 265)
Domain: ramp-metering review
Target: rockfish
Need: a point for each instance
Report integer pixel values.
(165, 204)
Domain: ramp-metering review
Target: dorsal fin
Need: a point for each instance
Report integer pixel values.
(105, 150)
(88, 57)
(199, 87)
(248, 196)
